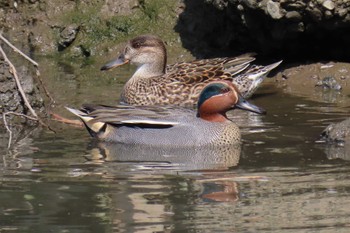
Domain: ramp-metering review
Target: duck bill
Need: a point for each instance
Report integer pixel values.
(245, 105)
(115, 63)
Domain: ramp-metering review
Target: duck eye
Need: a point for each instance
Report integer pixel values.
(225, 90)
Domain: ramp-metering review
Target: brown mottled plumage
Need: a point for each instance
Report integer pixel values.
(170, 126)
(154, 83)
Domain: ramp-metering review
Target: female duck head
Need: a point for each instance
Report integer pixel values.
(144, 49)
(219, 97)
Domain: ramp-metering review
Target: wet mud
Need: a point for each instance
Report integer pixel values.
(327, 82)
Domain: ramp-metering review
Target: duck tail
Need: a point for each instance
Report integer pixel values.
(76, 112)
(93, 127)
(259, 73)
(272, 66)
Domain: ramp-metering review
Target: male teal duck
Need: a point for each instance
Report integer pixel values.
(155, 83)
(171, 126)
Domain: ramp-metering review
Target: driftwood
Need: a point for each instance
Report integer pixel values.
(13, 70)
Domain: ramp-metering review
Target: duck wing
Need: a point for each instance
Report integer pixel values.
(209, 69)
(95, 116)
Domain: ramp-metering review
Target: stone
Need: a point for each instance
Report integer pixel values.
(240, 7)
(68, 35)
(337, 132)
(329, 83)
(293, 15)
(328, 14)
(7, 86)
(295, 6)
(250, 3)
(329, 5)
(315, 14)
(26, 80)
(274, 9)
(347, 18)
(342, 12)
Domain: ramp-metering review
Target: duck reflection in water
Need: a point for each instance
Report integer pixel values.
(209, 162)
(171, 158)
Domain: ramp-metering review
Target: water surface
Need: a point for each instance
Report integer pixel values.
(279, 180)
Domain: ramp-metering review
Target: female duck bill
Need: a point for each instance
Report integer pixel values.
(115, 63)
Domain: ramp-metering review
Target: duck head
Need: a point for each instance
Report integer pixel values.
(219, 97)
(147, 52)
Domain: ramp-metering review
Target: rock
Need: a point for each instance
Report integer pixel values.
(347, 18)
(10, 98)
(329, 5)
(315, 14)
(294, 5)
(67, 36)
(293, 15)
(250, 3)
(26, 80)
(328, 14)
(329, 83)
(274, 9)
(337, 132)
(240, 7)
(342, 12)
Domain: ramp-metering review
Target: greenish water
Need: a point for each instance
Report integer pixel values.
(278, 181)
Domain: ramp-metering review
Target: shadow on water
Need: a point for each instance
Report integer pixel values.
(279, 180)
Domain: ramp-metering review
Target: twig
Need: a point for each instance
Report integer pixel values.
(8, 128)
(18, 51)
(21, 115)
(43, 86)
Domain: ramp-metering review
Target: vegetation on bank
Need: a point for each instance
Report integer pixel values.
(98, 33)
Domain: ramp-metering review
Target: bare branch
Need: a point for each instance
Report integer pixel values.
(44, 88)
(8, 130)
(18, 51)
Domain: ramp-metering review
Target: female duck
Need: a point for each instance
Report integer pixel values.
(154, 83)
(175, 127)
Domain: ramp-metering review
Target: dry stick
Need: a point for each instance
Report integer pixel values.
(18, 51)
(43, 86)
(32, 61)
(8, 130)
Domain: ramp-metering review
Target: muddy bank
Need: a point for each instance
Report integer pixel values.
(81, 29)
(10, 98)
(12, 102)
(327, 82)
